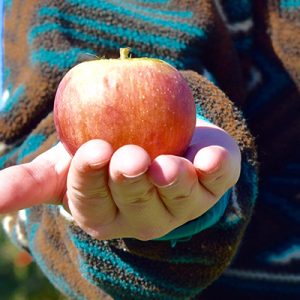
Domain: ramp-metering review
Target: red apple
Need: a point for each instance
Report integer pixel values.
(141, 101)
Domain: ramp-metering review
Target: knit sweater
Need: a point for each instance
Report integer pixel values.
(249, 53)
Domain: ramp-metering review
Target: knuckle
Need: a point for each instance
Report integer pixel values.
(183, 194)
(90, 195)
(102, 193)
(184, 204)
(136, 196)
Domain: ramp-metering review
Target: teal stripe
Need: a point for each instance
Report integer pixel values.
(289, 4)
(290, 252)
(67, 59)
(60, 59)
(100, 253)
(55, 278)
(231, 221)
(153, 1)
(200, 113)
(7, 4)
(32, 143)
(141, 37)
(72, 33)
(6, 73)
(12, 99)
(154, 12)
(4, 158)
(143, 292)
(156, 19)
(90, 272)
(120, 6)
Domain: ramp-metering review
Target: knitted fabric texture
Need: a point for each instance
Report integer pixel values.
(234, 44)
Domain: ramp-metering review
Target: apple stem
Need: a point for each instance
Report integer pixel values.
(124, 53)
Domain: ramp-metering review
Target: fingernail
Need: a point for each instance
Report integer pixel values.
(131, 176)
(98, 164)
(164, 186)
(207, 172)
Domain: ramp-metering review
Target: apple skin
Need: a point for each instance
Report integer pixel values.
(140, 101)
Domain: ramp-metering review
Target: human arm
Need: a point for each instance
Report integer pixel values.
(66, 253)
(165, 193)
(229, 226)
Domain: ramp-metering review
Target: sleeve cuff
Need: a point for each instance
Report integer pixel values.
(211, 217)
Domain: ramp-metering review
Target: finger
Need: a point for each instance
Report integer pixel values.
(41, 181)
(88, 195)
(178, 187)
(140, 207)
(218, 169)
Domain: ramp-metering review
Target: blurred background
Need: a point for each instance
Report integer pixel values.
(20, 279)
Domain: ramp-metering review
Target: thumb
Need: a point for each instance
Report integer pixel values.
(217, 168)
(41, 181)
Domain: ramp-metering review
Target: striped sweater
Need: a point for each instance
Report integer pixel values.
(248, 50)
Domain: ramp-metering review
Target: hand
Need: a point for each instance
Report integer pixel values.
(124, 194)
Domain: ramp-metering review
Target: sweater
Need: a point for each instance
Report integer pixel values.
(240, 60)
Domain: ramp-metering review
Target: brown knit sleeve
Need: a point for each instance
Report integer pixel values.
(218, 244)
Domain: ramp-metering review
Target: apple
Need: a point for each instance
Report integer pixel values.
(141, 101)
